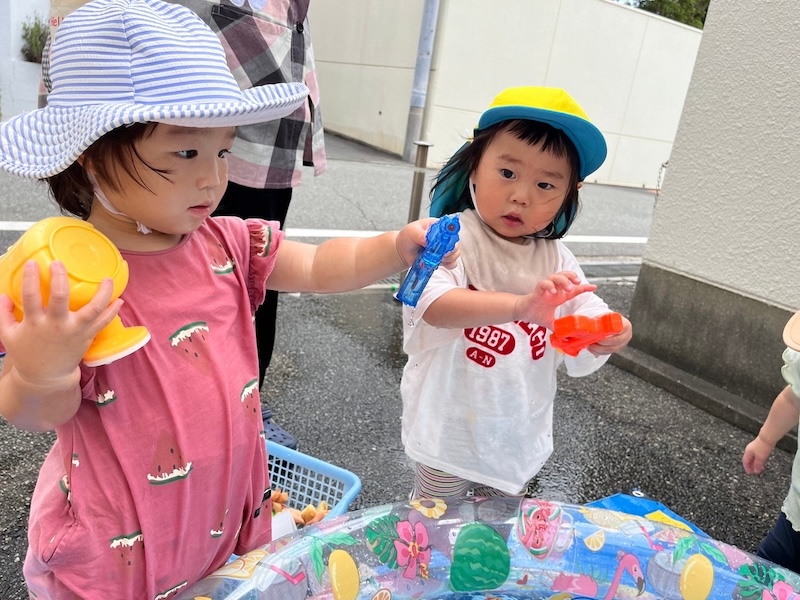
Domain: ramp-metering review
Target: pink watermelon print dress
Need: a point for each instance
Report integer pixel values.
(162, 473)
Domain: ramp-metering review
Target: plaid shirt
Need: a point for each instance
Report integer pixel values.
(265, 41)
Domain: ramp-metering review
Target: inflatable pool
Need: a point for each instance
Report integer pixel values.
(496, 549)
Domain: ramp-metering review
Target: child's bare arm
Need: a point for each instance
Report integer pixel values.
(37, 406)
(40, 380)
(783, 415)
(461, 308)
(344, 264)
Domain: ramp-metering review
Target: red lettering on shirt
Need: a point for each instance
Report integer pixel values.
(502, 342)
(537, 336)
(525, 326)
(491, 337)
(538, 342)
(481, 357)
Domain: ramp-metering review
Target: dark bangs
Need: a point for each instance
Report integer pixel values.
(553, 141)
(464, 162)
(72, 190)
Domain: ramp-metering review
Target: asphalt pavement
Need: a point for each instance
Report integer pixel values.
(334, 379)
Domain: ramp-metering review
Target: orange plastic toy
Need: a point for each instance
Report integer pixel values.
(574, 333)
(89, 257)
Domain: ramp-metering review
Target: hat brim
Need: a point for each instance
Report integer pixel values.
(791, 333)
(44, 142)
(588, 139)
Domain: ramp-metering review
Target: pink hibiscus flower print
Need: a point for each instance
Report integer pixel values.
(413, 549)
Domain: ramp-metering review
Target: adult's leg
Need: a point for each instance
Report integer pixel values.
(782, 545)
(273, 205)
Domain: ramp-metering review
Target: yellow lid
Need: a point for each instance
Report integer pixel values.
(89, 257)
(87, 254)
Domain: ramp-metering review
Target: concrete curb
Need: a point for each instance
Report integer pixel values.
(714, 400)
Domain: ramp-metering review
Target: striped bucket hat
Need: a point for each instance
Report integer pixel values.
(118, 62)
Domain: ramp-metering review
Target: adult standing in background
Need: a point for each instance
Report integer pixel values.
(267, 41)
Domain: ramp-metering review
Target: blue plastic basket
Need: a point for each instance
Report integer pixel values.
(309, 480)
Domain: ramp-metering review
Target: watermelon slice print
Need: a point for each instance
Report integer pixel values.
(168, 465)
(129, 550)
(171, 591)
(64, 483)
(264, 245)
(538, 525)
(251, 401)
(104, 395)
(218, 259)
(191, 342)
(219, 529)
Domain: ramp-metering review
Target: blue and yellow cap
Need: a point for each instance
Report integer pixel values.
(553, 106)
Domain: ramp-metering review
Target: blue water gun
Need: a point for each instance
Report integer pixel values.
(440, 239)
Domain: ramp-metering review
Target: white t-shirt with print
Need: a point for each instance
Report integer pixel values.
(478, 403)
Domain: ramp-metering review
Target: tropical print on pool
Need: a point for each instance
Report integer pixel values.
(497, 549)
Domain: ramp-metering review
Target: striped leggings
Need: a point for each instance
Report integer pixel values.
(433, 483)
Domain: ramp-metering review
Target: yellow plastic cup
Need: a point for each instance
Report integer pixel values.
(89, 257)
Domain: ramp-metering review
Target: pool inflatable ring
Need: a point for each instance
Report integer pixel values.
(498, 549)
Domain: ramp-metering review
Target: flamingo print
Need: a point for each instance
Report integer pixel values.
(584, 585)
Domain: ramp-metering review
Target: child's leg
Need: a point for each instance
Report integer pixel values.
(433, 483)
(782, 545)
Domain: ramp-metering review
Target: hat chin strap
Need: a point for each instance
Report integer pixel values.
(539, 234)
(141, 228)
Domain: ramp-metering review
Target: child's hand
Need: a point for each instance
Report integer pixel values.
(755, 456)
(613, 343)
(50, 341)
(540, 305)
(450, 260)
(412, 237)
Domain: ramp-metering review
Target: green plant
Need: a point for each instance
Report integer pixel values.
(34, 35)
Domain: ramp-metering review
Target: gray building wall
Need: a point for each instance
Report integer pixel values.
(719, 276)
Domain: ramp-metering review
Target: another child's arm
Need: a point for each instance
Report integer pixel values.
(344, 264)
(461, 308)
(783, 415)
(40, 379)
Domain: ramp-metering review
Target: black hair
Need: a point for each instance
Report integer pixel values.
(464, 162)
(73, 191)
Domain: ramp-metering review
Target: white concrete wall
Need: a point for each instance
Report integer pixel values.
(629, 69)
(365, 52)
(729, 214)
(19, 80)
